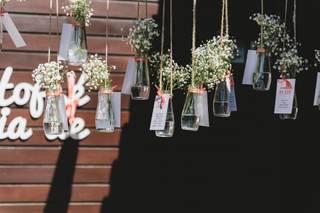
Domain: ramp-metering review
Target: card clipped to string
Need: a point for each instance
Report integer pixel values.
(129, 77)
(284, 96)
(251, 64)
(159, 114)
(316, 101)
(116, 106)
(66, 37)
(232, 94)
(202, 108)
(12, 30)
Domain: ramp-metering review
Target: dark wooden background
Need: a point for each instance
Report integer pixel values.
(30, 170)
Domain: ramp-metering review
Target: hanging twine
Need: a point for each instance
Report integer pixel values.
(162, 44)
(224, 31)
(107, 30)
(138, 9)
(193, 41)
(50, 30)
(57, 19)
(1, 25)
(295, 21)
(171, 48)
(262, 29)
(146, 7)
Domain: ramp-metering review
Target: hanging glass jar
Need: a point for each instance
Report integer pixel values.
(169, 126)
(190, 117)
(262, 75)
(105, 119)
(78, 53)
(52, 121)
(221, 101)
(141, 84)
(294, 113)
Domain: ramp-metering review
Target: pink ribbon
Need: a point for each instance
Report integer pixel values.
(161, 95)
(72, 102)
(287, 83)
(2, 11)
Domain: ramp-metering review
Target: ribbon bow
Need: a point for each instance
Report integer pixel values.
(286, 82)
(72, 102)
(161, 95)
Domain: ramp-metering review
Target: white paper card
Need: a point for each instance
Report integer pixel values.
(116, 106)
(284, 96)
(202, 106)
(232, 94)
(13, 31)
(66, 36)
(251, 64)
(63, 112)
(129, 77)
(316, 101)
(159, 114)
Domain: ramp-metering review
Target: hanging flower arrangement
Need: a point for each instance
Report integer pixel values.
(272, 33)
(97, 73)
(141, 36)
(213, 60)
(49, 76)
(180, 74)
(80, 10)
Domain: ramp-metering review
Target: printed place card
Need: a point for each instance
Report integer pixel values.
(159, 114)
(116, 106)
(284, 96)
(232, 94)
(316, 101)
(63, 113)
(251, 64)
(202, 106)
(129, 77)
(12, 31)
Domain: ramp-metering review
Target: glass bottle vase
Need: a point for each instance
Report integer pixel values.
(221, 102)
(169, 126)
(262, 76)
(78, 53)
(52, 121)
(105, 119)
(190, 117)
(294, 113)
(141, 84)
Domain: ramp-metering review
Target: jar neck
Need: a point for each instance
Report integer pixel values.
(104, 90)
(56, 92)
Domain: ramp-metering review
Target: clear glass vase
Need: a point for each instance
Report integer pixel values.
(105, 120)
(78, 53)
(141, 84)
(294, 113)
(262, 76)
(221, 101)
(190, 117)
(169, 127)
(52, 121)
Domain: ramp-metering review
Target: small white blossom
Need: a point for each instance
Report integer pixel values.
(80, 10)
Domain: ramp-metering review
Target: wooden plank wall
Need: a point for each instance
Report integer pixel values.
(27, 167)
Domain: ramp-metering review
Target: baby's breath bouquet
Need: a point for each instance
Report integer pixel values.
(49, 76)
(180, 75)
(141, 36)
(80, 10)
(212, 60)
(97, 73)
(273, 31)
(289, 63)
(317, 57)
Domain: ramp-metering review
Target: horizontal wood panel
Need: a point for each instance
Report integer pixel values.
(120, 9)
(30, 61)
(26, 24)
(26, 174)
(87, 116)
(49, 156)
(39, 193)
(95, 44)
(95, 139)
(39, 208)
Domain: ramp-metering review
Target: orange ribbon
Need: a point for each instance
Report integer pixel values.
(287, 83)
(2, 11)
(72, 102)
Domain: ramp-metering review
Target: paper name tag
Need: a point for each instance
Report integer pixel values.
(316, 101)
(129, 77)
(116, 106)
(12, 30)
(63, 112)
(251, 65)
(66, 36)
(202, 108)
(232, 94)
(284, 96)
(159, 114)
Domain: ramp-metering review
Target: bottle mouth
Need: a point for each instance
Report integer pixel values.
(261, 50)
(105, 90)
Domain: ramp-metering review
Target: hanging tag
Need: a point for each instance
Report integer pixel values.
(284, 96)
(66, 37)
(202, 107)
(63, 112)
(316, 101)
(116, 106)
(13, 31)
(129, 77)
(159, 114)
(1, 33)
(232, 94)
(251, 65)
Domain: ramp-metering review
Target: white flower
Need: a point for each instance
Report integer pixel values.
(79, 9)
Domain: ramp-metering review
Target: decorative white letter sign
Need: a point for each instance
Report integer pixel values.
(284, 96)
